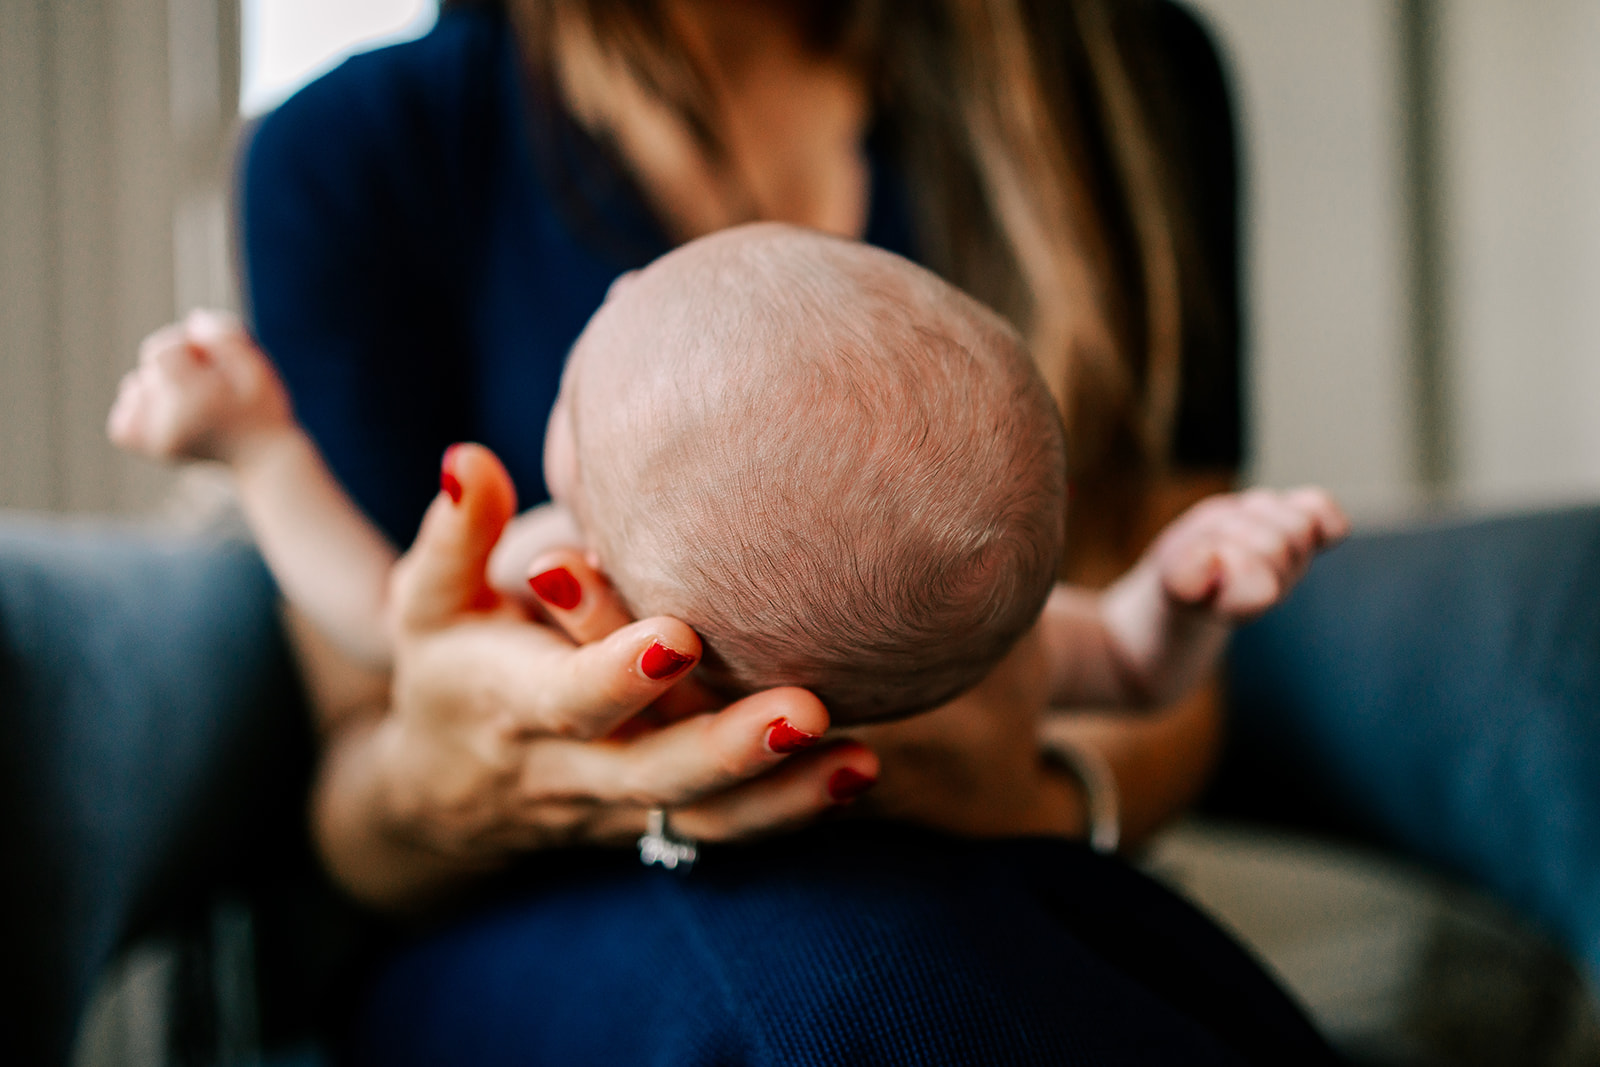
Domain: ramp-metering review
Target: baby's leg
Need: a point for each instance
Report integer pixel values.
(204, 391)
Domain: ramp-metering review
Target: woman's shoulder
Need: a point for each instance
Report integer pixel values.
(1175, 44)
(1190, 49)
(391, 107)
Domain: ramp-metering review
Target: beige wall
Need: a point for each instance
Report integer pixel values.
(1518, 203)
(1315, 84)
(112, 121)
(1522, 155)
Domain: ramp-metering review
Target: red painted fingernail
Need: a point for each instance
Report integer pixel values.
(558, 588)
(847, 784)
(660, 662)
(783, 737)
(448, 482)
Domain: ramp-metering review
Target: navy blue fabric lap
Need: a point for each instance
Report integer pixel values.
(850, 944)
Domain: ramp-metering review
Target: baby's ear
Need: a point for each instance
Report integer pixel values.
(619, 281)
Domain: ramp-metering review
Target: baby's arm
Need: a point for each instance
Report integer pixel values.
(204, 391)
(1162, 627)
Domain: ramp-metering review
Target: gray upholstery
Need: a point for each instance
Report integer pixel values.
(1437, 691)
(153, 751)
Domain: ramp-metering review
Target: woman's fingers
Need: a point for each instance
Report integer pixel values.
(534, 683)
(525, 538)
(687, 761)
(444, 573)
(601, 685)
(793, 794)
(577, 597)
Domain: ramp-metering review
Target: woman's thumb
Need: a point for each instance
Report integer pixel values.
(444, 573)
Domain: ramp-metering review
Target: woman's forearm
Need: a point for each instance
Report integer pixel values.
(355, 820)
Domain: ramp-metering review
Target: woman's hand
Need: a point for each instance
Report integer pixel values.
(505, 736)
(971, 767)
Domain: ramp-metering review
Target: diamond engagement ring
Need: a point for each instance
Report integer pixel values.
(660, 846)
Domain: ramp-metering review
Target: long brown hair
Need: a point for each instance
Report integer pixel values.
(1039, 183)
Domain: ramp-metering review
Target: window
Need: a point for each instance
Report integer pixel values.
(286, 43)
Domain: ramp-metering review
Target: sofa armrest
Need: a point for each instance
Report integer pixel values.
(1437, 691)
(154, 750)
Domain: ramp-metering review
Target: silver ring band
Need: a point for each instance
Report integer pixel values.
(660, 847)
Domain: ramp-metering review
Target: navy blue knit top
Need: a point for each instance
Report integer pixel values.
(424, 238)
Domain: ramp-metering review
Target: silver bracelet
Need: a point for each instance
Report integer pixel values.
(1092, 771)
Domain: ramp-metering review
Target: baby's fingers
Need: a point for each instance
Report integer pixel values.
(1276, 526)
(1249, 582)
(1328, 520)
(168, 338)
(1192, 574)
(127, 411)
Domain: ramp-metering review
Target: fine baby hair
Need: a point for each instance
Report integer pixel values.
(844, 473)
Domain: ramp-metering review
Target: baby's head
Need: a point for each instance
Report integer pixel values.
(841, 471)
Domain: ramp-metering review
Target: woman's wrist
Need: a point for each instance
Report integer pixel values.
(371, 827)
(1096, 814)
(1063, 805)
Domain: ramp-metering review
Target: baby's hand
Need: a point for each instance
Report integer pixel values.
(202, 390)
(1237, 555)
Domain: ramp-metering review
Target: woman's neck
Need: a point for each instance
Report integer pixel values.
(734, 39)
(789, 122)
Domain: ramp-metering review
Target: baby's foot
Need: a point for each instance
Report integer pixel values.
(202, 390)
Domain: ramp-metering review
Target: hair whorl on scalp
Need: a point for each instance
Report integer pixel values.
(841, 471)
